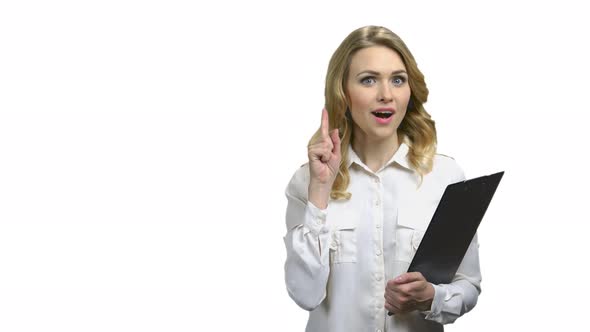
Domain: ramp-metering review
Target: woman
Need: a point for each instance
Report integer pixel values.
(357, 210)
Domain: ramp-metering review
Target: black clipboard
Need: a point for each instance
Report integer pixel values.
(452, 227)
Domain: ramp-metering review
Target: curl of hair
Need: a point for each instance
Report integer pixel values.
(417, 129)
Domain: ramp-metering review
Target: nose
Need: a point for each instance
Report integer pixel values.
(385, 95)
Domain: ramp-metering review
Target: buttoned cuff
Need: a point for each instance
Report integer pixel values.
(437, 303)
(315, 219)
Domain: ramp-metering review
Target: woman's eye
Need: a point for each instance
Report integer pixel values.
(368, 80)
(399, 80)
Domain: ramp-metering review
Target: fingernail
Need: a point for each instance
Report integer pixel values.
(398, 279)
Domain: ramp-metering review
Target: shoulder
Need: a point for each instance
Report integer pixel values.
(447, 167)
(299, 183)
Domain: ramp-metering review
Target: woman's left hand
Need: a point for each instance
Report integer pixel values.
(408, 292)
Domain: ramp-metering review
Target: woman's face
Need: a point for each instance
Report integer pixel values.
(378, 92)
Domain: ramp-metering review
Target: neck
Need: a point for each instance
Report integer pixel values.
(375, 153)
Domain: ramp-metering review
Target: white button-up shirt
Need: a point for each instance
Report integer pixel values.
(339, 259)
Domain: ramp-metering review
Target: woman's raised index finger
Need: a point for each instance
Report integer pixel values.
(325, 123)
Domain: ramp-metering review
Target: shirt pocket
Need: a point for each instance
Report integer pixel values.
(343, 247)
(412, 222)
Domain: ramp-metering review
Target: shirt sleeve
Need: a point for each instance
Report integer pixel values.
(307, 242)
(453, 300)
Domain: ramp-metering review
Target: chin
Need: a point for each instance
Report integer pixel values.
(384, 134)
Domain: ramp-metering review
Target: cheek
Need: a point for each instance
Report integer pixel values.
(358, 99)
(407, 94)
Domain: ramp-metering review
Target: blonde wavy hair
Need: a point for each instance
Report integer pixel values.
(417, 129)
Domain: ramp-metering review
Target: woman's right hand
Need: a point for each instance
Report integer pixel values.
(324, 163)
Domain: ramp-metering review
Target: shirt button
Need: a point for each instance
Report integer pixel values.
(377, 202)
(378, 277)
(376, 180)
(378, 225)
(378, 330)
(378, 252)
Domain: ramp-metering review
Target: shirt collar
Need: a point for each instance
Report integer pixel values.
(400, 157)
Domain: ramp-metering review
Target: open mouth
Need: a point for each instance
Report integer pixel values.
(383, 115)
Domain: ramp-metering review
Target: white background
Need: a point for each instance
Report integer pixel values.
(145, 147)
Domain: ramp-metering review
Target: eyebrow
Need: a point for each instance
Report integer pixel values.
(372, 72)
